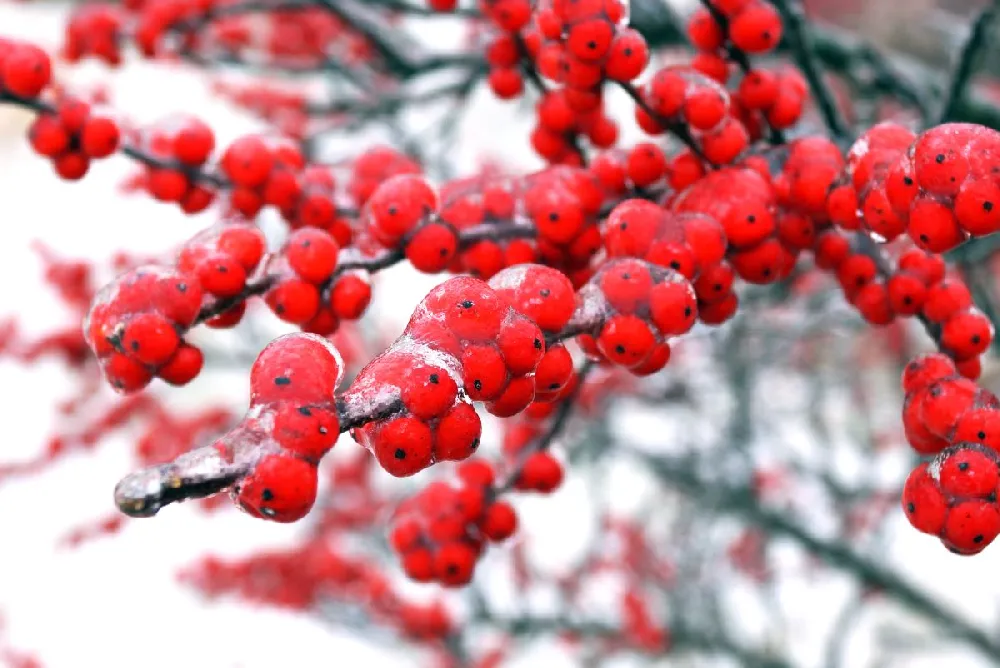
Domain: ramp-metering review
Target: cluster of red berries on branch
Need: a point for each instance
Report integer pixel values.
(411, 406)
(71, 134)
(940, 187)
(303, 35)
(136, 324)
(441, 532)
(619, 254)
(954, 496)
(303, 577)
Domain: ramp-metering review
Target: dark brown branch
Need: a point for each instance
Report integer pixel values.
(967, 60)
(800, 40)
(744, 503)
(678, 130)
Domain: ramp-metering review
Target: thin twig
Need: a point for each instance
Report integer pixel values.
(973, 48)
(743, 502)
(678, 130)
(556, 426)
(801, 41)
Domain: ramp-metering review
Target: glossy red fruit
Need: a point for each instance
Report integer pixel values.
(280, 487)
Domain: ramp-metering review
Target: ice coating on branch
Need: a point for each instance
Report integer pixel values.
(135, 323)
(198, 473)
(268, 460)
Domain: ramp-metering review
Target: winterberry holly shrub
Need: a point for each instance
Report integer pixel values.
(592, 267)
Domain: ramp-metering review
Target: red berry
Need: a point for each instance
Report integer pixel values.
(296, 367)
(627, 57)
(967, 334)
(626, 285)
(458, 433)
(100, 137)
(923, 503)
(312, 254)
(971, 526)
(248, 162)
(403, 446)
(183, 367)
(428, 391)
(945, 402)
(454, 564)
(193, 143)
(150, 338)
(433, 247)
(515, 398)
(626, 340)
(350, 296)
(308, 431)
(541, 473)
(399, 204)
(500, 521)
(756, 29)
(280, 487)
(923, 371)
(673, 307)
(522, 344)
(294, 301)
(48, 136)
(26, 70)
(967, 472)
(484, 372)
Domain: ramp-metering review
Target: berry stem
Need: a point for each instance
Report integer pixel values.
(866, 245)
(133, 152)
(220, 306)
(528, 67)
(801, 41)
(678, 130)
(556, 426)
(196, 474)
(738, 56)
(744, 502)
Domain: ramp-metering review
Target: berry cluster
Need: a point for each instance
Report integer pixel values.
(72, 136)
(564, 204)
(745, 203)
(750, 26)
(135, 324)
(441, 533)
(940, 187)
(692, 244)
(633, 249)
(134, 328)
(487, 201)
(302, 577)
(291, 424)
(223, 258)
(726, 32)
(185, 144)
(917, 286)
(576, 44)
(682, 97)
(641, 305)
(955, 495)
(94, 30)
(301, 272)
(465, 341)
